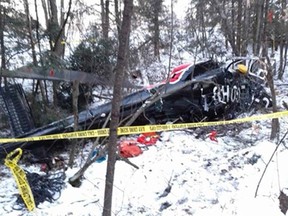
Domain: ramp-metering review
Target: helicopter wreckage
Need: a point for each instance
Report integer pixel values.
(204, 91)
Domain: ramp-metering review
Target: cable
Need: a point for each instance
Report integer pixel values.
(44, 188)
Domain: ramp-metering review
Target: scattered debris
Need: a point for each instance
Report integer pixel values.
(212, 136)
(164, 206)
(254, 159)
(148, 138)
(129, 148)
(283, 202)
(166, 191)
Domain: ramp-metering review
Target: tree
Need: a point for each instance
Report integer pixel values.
(258, 26)
(56, 33)
(105, 18)
(73, 149)
(243, 23)
(270, 79)
(117, 95)
(152, 11)
(14, 33)
(34, 55)
(116, 102)
(157, 6)
(171, 35)
(275, 122)
(281, 37)
(2, 44)
(117, 15)
(200, 29)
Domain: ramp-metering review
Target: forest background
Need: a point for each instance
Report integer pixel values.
(84, 36)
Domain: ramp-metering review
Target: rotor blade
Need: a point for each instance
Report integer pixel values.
(60, 75)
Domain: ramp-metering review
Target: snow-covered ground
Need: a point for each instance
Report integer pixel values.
(184, 173)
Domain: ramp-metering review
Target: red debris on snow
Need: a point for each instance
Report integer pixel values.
(148, 138)
(129, 148)
(213, 135)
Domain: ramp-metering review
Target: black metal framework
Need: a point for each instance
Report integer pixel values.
(15, 106)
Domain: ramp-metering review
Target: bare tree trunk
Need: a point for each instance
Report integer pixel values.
(107, 21)
(239, 27)
(283, 46)
(281, 58)
(227, 29)
(171, 36)
(156, 38)
(258, 29)
(105, 18)
(117, 15)
(53, 29)
(75, 93)
(233, 20)
(285, 56)
(27, 11)
(45, 9)
(3, 48)
(102, 16)
(202, 26)
(2, 42)
(226, 39)
(2, 45)
(63, 24)
(247, 23)
(275, 122)
(264, 39)
(34, 57)
(116, 102)
(44, 91)
(56, 33)
(270, 79)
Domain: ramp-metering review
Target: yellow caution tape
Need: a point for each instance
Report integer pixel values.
(142, 129)
(20, 177)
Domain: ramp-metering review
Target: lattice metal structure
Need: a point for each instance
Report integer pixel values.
(14, 104)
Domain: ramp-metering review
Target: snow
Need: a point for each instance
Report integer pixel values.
(205, 178)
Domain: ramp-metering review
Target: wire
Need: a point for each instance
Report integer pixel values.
(44, 188)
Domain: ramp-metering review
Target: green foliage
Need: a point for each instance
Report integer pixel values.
(152, 22)
(65, 97)
(149, 9)
(97, 57)
(52, 30)
(44, 115)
